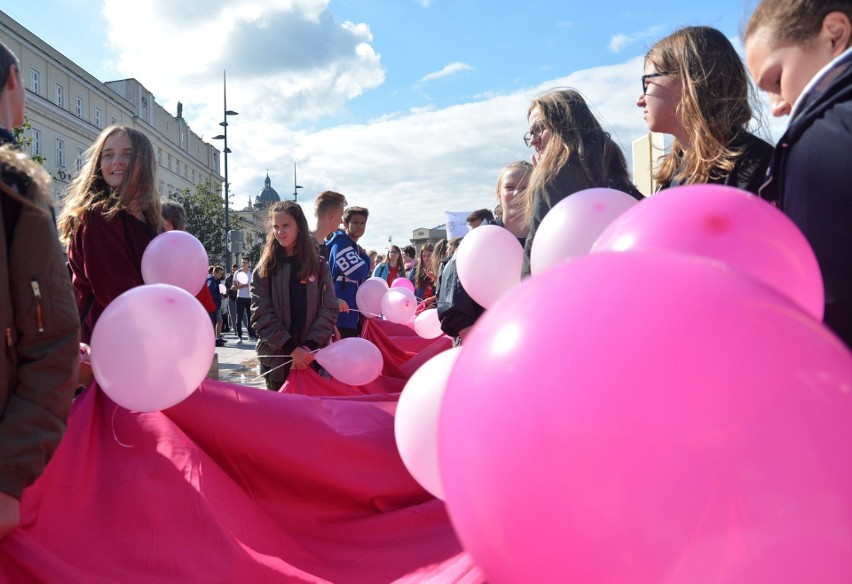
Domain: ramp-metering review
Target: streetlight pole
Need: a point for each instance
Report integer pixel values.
(296, 186)
(224, 124)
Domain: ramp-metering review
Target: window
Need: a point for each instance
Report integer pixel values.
(160, 156)
(162, 187)
(35, 81)
(79, 159)
(36, 143)
(97, 118)
(114, 121)
(78, 107)
(60, 95)
(60, 152)
(170, 162)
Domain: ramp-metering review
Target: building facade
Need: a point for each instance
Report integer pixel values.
(67, 108)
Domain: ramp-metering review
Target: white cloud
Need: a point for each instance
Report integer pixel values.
(618, 42)
(407, 165)
(449, 70)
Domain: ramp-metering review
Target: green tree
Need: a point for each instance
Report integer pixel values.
(205, 218)
(23, 141)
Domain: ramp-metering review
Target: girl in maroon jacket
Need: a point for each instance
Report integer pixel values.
(112, 212)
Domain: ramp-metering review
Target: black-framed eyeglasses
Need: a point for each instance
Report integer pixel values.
(651, 76)
(533, 134)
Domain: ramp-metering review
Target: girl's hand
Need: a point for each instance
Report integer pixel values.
(343, 306)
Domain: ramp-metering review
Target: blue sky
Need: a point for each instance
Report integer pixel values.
(408, 107)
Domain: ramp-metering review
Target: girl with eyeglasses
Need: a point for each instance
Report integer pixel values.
(800, 53)
(696, 89)
(572, 153)
(392, 267)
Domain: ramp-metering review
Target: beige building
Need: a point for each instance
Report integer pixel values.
(646, 151)
(67, 108)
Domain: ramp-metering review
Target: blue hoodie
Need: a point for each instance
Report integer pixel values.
(349, 268)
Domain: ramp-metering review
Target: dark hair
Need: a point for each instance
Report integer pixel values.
(797, 21)
(481, 215)
(421, 273)
(7, 59)
(305, 249)
(410, 251)
(175, 213)
(347, 214)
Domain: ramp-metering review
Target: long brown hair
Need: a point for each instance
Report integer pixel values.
(576, 137)
(714, 106)
(138, 189)
(305, 249)
(421, 273)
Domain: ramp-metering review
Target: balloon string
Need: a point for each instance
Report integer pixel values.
(288, 361)
(114, 435)
(363, 312)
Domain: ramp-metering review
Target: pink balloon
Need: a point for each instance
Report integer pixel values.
(729, 225)
(671, 420)
(571, 227)
(416, 420)
(242, 278)
(489, 261)
(152, 347)
(176, 258)
(398, 305)
(369, 296)
(355, 361)
(403, 283)
(427, 324)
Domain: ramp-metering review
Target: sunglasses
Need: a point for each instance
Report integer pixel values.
(651, 76)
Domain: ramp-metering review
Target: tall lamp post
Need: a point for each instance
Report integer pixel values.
(224, 124)
(296, 186)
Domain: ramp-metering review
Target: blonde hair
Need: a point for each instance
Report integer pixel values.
(138, 189)
(797, 21)
(714, 106)
(520, 203)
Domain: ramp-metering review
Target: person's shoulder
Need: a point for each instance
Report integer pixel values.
(28, 179)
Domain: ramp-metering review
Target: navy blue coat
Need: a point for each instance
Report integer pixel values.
(810, 179)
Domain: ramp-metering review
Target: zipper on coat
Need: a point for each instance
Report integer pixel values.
(37, 296)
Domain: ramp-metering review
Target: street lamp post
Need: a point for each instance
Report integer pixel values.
(296, 186)
(224, 136)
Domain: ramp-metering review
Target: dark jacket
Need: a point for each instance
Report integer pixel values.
(750, 167)
(213, 286)
(38, 371)
(456, 309)
(105, 256)
(271, 319)
(567, 182)
(811, 181)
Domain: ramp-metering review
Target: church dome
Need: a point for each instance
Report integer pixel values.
(267, 195)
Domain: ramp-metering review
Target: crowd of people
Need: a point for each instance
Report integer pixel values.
(302, 294)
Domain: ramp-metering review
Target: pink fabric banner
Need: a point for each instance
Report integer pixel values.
(235, 484)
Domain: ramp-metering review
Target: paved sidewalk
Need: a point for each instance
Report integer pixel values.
(238, 359)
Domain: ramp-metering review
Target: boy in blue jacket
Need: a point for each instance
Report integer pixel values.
(350, 266)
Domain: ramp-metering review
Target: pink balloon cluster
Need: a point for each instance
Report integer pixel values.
(396, 303)
(679, 416)
(369, 296)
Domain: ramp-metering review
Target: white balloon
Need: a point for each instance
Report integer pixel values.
(489, 261)
(417, 416)
(572, 226)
